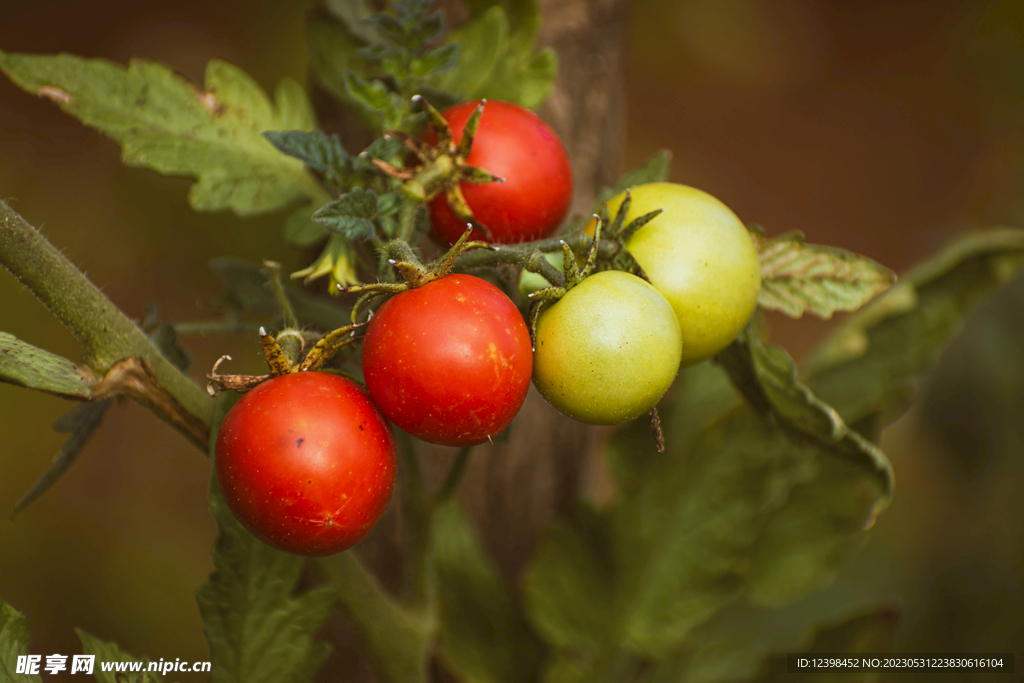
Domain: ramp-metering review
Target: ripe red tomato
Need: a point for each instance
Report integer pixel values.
(306, 463)
(449, 362)
(515, 144)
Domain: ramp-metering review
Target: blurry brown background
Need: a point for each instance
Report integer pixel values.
(882, 127)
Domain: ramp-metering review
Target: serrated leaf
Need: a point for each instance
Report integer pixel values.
(81, 421)
(164, 123)
(431, 27)
(440, 60)
(870, 632)
(314, 148)
(301, 230)
(381, 108)
(798, 278)
(109, 652)
(483, 633)
(258, 628)
(767, 376)
(873, 362)
(350, 215)
(33, 368)
(14, 642)
(389, 26)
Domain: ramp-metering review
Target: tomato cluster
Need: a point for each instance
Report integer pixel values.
(306, 460)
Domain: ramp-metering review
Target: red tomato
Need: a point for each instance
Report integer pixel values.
(306, 463)
(515, 144)
(449, 362)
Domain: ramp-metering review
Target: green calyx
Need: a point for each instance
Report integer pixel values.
(414, 274)
(441, 167)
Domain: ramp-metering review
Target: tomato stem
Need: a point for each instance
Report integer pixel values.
(272, 270)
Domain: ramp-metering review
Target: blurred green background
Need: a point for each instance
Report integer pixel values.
(882, 127)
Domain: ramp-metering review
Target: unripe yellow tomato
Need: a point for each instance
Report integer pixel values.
(608, 350)
(700, 256)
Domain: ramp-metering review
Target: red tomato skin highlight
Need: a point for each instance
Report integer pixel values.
(306, 463)
(449, 362)
(515, 144)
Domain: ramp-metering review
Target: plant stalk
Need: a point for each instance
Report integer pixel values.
(107, 335)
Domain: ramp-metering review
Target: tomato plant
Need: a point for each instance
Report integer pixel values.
(515, 144)
(503, 589)
(306, 462)
(701, 257)
(608, 350)
(450, 361)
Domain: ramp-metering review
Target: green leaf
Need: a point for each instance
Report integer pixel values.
(561, 587)
(301, 230)
(258, 628)
(526, 81)
(654, 170)
(719, 660)
(482, 42)
(808, 539)
(33, 368)
(870, 632)
(81, 421)
(381, 108)
(872, 364)
(166, 124)
(14, 642)
(682, 539)
(334, 51)
(350, 215)
(767, 376)
(440, 60)
(522, 75)
(562, 669)
(314, 148)
(701, 394)
(396, 640)
(797, 278)
(483, 633)
(109, 652)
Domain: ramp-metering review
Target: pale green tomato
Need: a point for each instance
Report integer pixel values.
(701, 257)
(608, 350)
